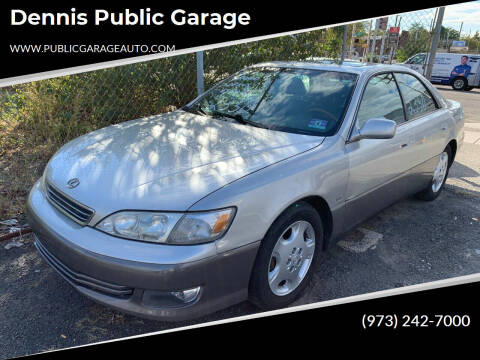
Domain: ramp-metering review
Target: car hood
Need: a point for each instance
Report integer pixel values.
(166, 162)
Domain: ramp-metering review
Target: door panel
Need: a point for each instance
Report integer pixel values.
(376, 172)
(430, 135)
(377, 166)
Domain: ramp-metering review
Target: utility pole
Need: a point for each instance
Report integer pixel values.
(374, 42)
(428, 55)
(460, 32)
(435, 40)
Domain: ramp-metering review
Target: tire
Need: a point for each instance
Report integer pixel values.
(286, 257)
(459, 83)
(439, 177)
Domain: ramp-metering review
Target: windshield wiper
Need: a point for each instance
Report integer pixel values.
(195, 110)
(239, 118)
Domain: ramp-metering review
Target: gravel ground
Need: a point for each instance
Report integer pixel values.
(409, 243)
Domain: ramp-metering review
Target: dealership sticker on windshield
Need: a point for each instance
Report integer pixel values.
(318, 124)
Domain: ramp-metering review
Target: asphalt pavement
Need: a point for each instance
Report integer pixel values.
(470, 101)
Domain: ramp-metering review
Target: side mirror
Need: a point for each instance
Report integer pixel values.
(375, 129)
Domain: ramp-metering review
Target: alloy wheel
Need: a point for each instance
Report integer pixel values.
(458, 84)
(291, 258)
(440, 172)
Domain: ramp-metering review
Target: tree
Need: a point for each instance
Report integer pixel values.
(417, 41)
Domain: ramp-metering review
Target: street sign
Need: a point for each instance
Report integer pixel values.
(392, 38)
(394, 29)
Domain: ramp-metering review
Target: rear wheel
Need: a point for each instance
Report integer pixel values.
(439, 177)
(286, 257)
(459, 83)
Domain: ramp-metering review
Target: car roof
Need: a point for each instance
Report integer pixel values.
(349, 66)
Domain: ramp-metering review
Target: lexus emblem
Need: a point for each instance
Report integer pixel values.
(73, 183)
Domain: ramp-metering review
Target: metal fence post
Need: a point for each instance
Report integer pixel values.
(365, 53)
(380, 60)
(200, 87)
(344, 43)
(352, 40)
(374, 43)
(436, 38)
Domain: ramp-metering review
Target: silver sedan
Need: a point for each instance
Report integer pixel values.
(235, 195)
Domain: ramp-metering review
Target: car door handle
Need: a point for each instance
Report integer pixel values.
(444, 128)
(403, 146)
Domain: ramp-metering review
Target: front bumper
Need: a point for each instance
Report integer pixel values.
(120, 273)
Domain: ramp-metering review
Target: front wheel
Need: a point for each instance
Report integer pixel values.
(286, 257)
(439, 177)
(459, 83)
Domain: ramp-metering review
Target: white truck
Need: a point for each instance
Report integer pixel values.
(461, 71)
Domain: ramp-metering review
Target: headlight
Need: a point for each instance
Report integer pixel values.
(140, 225)
(169, 228)
(195, 228)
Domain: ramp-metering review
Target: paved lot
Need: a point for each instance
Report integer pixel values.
(469, 99)
(409, 243)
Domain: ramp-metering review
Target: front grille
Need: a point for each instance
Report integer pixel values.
(78, 279)
(77, 212)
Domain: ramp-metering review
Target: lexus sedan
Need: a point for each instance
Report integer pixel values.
(236, 195)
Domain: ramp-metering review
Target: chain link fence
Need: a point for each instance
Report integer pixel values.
(393, 39)
(58, 109)
(38, 117)
(53, 111)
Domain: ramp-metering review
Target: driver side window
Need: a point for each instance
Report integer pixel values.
(381, 99)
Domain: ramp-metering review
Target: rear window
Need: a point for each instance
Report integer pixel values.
(418, 100)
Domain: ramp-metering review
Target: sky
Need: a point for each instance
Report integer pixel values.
(469, 13)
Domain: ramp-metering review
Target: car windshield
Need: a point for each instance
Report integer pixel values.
(301, 101)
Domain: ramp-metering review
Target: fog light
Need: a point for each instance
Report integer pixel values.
(187, 296)
(170, 299)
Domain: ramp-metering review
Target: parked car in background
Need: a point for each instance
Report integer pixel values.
(461, 71)
(234, 196)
